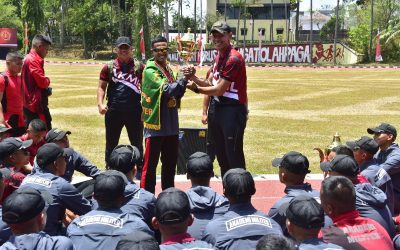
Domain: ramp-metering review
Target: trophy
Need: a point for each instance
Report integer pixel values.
(335, 142)
(186, 47)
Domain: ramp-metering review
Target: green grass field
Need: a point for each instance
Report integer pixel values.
(290, 109)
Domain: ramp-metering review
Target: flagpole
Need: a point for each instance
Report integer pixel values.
(26, 42)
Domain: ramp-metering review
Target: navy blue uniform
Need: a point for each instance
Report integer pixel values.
(38, 241)
(75, 161)
(378, 177)
(205, 205)
(184, 242)
(371, 203)
(64, 196)
(389, 160)
(291, 192)
(139, 202)
(101, 229)
(317, 244)
(240, 228)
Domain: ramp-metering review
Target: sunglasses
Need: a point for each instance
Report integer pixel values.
(163, 50)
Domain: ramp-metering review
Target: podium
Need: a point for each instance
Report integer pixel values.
(191, 140)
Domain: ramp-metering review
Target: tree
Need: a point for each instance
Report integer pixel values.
(7, 19)
(327, 31)
(32, 13)
(184, 23)
(142, 21)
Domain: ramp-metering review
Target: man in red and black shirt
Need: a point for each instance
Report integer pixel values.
(37, 85)
(122, 84)
(11, 95)
(349, 229)
(228, 89)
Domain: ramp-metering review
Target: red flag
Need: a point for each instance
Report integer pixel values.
(378, 56)
(142, 48)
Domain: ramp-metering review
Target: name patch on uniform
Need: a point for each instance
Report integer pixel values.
(101, 219)
(247, 220)
(38, 180)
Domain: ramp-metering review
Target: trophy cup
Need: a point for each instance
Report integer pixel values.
(335, 142)
(186, 47)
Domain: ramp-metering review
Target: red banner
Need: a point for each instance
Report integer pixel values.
(8, 37)
(142, 48)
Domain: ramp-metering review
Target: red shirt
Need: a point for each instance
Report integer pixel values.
(13, 93)
(230, 66)
(179, 238)
(33, 148)
(351, 231)
(35, 82)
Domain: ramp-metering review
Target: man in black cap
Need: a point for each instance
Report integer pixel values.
(205, 203)
(50, 159)
(25, 212)
(139, 202)
(75, 161)
(243, 225)
(228, 88)
(371, 202)
(293, 168)
(14, 156)
(388, 156)
(103, 227)
(305, 218)
(121, 79)
(364, 150)
(173, 218)
(36, 85)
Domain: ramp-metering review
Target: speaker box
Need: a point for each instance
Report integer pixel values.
(191, 140)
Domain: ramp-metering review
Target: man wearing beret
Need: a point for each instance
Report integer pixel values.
(25, 212)
(388, 156)
(51, 160)
(243, 225)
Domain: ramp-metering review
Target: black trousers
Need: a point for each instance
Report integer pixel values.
(45, 116)
(167, 146)
(210, 143)
(228, 131)
(115, 120)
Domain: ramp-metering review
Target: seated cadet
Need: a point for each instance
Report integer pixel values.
(138, 201)
(371, 202)
(305, 218)
(388, 157)
(104, 227)
(36, 132)
(25, 212)
(350, 230)
(243, 225)
(50, 159)
(205, 203)
(14, 156)
(75, 161)
(338, 150)
(172, 218)
(364, 150)
(293, 168)
(138, 241)
(275, 242)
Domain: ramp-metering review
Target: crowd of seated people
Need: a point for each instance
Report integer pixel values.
(356, 207)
